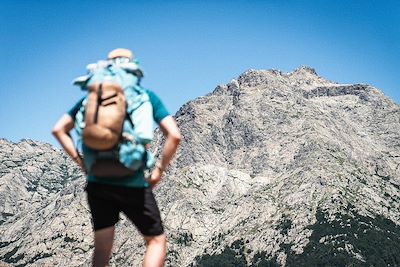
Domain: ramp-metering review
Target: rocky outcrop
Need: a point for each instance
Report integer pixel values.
(32, 173)
(275, 169)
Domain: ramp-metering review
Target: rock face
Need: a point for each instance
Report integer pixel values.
(275, 169)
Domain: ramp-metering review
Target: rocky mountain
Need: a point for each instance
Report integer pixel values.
(275, 169)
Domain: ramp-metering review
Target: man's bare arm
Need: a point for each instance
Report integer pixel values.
(173, 137)
(61, 132)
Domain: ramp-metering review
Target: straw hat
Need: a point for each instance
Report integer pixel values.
(120, 52)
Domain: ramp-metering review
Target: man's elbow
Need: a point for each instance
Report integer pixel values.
(56, 131)
(62, 126)
(176, 137)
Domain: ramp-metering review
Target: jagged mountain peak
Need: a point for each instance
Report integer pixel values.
(244, 113)
(300, 72)
(305, 69)
(301, 76)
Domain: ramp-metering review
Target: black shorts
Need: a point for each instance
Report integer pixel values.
(138, 204)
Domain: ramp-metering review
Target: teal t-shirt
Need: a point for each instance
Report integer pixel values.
(138, 179)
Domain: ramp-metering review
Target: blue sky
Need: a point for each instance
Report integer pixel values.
(186, 48)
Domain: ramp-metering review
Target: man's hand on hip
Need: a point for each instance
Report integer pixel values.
(155, 177)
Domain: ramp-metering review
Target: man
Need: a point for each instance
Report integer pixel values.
(131, 195)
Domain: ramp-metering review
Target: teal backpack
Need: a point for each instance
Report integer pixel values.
(115, 121)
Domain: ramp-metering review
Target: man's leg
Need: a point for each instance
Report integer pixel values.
(155, 251)
(103, 242)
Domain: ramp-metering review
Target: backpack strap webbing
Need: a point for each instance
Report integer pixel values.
(99, 93)
(128, 117)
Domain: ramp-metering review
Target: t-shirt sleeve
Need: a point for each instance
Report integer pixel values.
(159, 110)
(72, 112)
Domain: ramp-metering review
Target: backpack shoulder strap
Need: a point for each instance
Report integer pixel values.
(80, 117)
